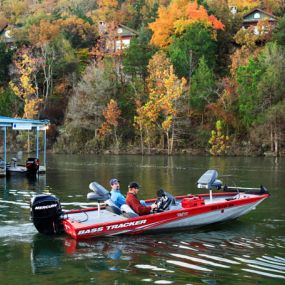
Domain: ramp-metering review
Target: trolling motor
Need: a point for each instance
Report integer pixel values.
(209, 181)
(46, 214)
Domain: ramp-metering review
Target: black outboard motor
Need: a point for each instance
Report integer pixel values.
(46, 214)
(32, 165)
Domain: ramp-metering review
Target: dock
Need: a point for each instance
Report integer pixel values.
(22, 124)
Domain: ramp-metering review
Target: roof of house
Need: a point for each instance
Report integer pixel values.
(126, 31)
(3, 24)
(263, 15)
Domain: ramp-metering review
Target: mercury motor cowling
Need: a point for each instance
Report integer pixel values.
(46, 214)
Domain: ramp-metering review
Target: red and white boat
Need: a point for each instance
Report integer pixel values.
(187, 211)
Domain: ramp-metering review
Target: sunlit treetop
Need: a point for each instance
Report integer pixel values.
(177, 17)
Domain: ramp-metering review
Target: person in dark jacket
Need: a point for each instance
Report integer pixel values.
(134, 202)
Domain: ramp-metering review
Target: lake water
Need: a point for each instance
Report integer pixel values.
(250, 250)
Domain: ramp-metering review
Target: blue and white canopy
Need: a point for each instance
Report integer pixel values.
(23, 124)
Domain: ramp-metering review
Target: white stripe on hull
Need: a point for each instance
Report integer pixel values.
(210, 217)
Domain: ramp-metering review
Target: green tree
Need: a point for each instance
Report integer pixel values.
(261, 93)
(279, 32)
(248, 78)
(5, 60)
(186, 50)
(10, 104)
(202, 89)
(271, 92)
(137, 56)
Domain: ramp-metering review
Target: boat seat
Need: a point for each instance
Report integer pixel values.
(128, 212)
(110, 206)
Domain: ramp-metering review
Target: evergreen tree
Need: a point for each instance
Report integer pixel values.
(5, 61)
(186, 50)
(279, 32)
(202, 89)
(137, 56)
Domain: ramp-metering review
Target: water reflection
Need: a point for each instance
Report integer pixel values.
(244, 252)
(46, 254)
(215, 251)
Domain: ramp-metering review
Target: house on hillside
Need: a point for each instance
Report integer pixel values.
(5, 32)
(252, 19)
(115, 39)
(3, 25)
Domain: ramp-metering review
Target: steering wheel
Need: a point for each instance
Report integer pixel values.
(162, 203)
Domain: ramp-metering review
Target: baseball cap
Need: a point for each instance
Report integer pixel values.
(134, 185)
(113, 181)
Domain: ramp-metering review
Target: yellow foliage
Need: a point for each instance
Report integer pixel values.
(218, 141)
(23, 86)
(244, 5)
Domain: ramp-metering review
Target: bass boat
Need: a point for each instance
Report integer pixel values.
(180, 212)
(30, 168)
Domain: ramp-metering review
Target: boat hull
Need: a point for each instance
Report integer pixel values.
(221, 207)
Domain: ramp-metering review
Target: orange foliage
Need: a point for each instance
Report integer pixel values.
(43, 33)
(176, 18)
(111, 115)
(222, 108)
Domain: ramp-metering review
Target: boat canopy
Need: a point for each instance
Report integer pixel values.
(23, 124)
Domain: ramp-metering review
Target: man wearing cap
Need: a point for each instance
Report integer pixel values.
(135, 203)
(116, 196)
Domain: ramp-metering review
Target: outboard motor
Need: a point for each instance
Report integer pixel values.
(33, 165)
(46, 214)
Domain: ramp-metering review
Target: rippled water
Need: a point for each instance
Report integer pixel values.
(250, 250)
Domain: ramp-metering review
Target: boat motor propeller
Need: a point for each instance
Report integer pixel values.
(46, 214)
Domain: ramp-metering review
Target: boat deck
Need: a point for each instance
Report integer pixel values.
(95, 217)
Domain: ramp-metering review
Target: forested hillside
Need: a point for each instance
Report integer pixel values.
(192, 79)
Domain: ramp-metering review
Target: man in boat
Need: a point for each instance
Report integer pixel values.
(116, 196)
(135, 203)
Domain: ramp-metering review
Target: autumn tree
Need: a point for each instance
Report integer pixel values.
(80, 33)
(24, 86)
(111, 114)
(164, 90)
(219, 142)
(177, 18)
(244, 5)
(107, 10)
(84, 115)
